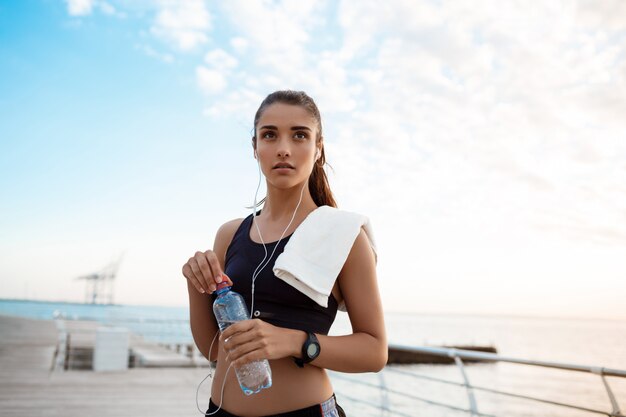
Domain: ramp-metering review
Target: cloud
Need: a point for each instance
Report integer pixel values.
(79, 7)
(504, 126)
(610, 14)
(275, 26)
(240, 45)
(108, 9)
(219, 59)
(210, 81)
(163, 57)
(469, 125)
(182, 23)
(86, 7)
(465, 130)
(489, 113)
(213, 78)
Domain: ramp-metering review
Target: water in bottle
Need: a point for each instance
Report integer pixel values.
(229, 307)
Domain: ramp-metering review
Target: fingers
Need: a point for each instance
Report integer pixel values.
(191, 276)
(249, 352)
(239, 327)
(214, 264)
(203, 270)
(241, 338)
(249, 340)
(207, 273)
(199, 274)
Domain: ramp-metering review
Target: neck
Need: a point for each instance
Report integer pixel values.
(281, 203)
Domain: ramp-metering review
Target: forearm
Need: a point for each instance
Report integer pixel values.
(202, 321)
(358, 352)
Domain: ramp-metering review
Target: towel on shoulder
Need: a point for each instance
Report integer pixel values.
(318, 249)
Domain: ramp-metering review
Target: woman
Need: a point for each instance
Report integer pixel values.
(289, 148)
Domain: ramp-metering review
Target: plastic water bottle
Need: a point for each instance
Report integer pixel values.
(229, 307)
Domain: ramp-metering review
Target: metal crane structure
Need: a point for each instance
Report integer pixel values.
(99, 286)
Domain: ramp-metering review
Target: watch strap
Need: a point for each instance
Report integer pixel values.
(310, 339)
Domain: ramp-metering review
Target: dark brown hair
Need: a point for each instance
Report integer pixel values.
(318, 181)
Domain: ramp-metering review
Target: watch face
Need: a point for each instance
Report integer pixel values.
(313, 350)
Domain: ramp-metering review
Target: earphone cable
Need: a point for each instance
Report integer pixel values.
(257, 271)
(264, 262)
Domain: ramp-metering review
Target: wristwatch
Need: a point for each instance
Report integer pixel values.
(310, 350)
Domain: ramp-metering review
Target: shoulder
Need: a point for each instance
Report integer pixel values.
(225, 234)
(333, 216)
(228, 229)
(356, 224)
(362, 249)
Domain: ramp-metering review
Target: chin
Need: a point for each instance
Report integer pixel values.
(286, 183)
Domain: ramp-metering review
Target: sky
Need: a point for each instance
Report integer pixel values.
(485, 140)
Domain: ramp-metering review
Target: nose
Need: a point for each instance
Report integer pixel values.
(283, 153)
(283, 150)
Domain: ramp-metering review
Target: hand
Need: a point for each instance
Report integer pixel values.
(252, 340)
(204, 272)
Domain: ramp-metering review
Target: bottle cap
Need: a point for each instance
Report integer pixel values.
(224, 283)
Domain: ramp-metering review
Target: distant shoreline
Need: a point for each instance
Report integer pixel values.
(21, 300)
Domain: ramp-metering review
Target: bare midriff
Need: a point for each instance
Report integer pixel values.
(292, 388)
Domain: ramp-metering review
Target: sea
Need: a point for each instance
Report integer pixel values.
(589, 342)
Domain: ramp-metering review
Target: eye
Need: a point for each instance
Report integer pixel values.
(268, 134)
(301, 135)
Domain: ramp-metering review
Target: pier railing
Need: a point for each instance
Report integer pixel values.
(473, 409)
(64, 357)
(154, 346)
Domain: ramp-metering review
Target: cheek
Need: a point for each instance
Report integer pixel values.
(265, 160)
(262, 154)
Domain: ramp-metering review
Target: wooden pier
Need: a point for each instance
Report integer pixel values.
(33, 384)
(28, 387)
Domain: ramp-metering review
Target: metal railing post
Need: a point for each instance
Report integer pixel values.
(616, 411)
(470, 392)
(68, 358)
(384, 395)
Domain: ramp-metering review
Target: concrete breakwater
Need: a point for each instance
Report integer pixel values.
(401, 356)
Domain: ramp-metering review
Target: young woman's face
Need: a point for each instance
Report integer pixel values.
(286, 144)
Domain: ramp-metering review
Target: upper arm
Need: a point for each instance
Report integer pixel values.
(223, 237)
(359, 287)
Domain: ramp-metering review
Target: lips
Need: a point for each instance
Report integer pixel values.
(283, 165)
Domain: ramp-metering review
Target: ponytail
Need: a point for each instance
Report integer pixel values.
(318, 184)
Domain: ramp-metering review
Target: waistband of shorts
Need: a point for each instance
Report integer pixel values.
(328, 405)
(312, 411)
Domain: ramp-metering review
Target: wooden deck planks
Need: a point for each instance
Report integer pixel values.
(27, 387)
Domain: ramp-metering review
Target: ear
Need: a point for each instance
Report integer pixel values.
(318, 151)
(254, 147)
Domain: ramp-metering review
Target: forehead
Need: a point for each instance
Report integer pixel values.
(280, 114)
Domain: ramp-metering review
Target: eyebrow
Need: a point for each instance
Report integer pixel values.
(272, 127)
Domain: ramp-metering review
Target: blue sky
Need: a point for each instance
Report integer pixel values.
(486, 142)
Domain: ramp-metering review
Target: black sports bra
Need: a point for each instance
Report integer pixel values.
(275, 301)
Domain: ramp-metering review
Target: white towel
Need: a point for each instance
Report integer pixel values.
(318, 249)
